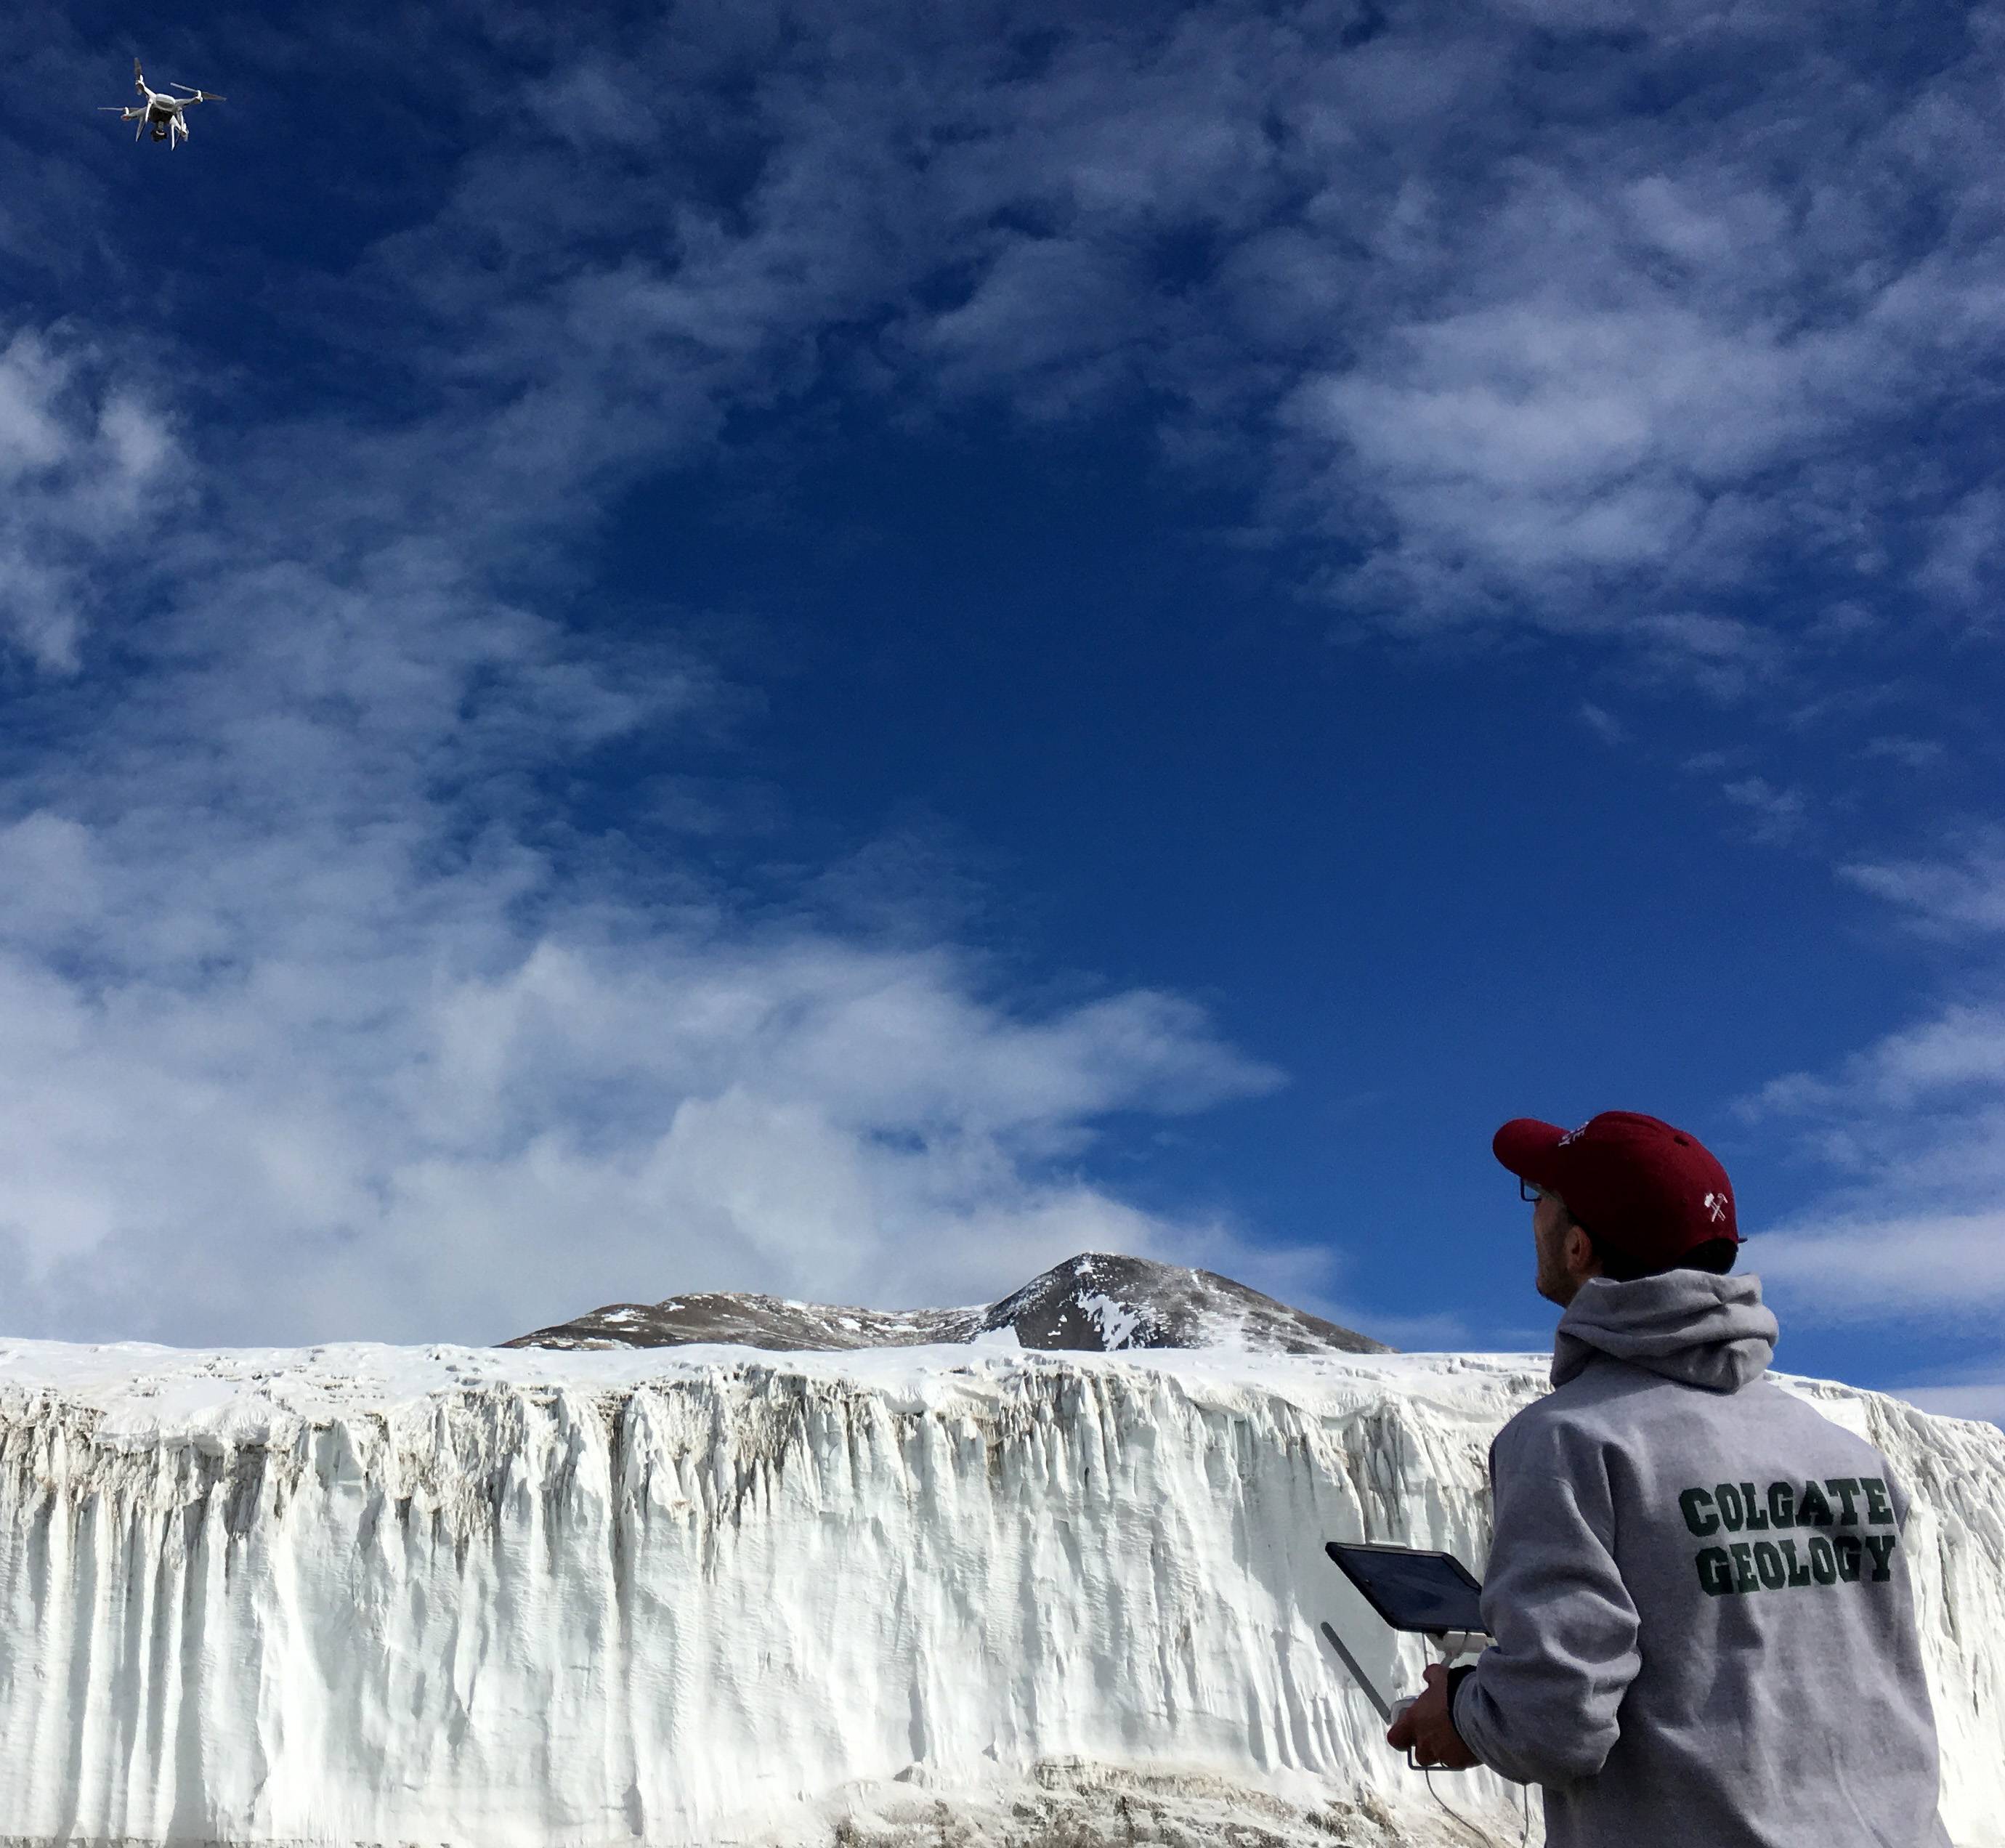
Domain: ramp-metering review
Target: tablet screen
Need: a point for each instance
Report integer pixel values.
(1412, 1590)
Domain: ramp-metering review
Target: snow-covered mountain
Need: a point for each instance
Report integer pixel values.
(958, 1594)
(1096, 1303)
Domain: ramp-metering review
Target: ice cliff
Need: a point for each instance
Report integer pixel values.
(501, 1597)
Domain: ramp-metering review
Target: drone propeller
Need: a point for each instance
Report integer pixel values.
(199, 96)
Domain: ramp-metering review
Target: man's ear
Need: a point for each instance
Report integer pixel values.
(1582, 1259)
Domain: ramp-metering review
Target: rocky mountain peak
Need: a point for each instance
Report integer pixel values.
(1096, 1303)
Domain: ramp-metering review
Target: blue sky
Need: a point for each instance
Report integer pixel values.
(843, 649)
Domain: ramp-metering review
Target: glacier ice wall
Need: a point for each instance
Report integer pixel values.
(360, 1594)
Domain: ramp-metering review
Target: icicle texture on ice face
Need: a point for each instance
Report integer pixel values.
(506, 1597)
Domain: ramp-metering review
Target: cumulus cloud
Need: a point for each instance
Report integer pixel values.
(370, 1138)
(347, 990)
(1543, 443)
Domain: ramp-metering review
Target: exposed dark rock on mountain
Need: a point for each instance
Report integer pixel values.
(1096, 1302)
(750, 1321)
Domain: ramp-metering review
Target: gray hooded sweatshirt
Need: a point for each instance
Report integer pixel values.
(1704, 1634)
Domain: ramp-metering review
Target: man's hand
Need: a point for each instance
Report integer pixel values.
(1427, 1729)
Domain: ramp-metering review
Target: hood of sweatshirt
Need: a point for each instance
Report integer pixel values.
(1690, 1326)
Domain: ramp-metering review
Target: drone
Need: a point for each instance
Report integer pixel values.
(160, 112)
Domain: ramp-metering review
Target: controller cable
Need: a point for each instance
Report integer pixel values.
(1524, 1803)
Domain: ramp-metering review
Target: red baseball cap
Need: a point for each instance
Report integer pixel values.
(1650, 1191)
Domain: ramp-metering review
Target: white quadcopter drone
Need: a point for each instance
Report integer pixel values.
(163, 114)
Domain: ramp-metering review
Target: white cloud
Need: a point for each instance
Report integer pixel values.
(323, 1011)
(319, 1006)
(84, 459)
(1522, 353)
(1539, 438)
(359, 1136)
(1726, 658)
(1604, 723)
(1973, 1390)
(1983, 1399)
(1963, 1046)
(1912, 1130)
(1911, 753)
(1965, 553)
(1960, 896)
(300, 1041)
(1778, 816)
(1945, 1268)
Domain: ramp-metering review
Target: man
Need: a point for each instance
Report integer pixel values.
(1704, 1634)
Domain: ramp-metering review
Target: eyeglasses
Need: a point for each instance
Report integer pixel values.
(1530, 1190)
